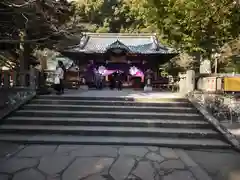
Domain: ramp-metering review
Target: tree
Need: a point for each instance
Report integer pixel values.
(30, 24)
(230, 55)
(196, 25)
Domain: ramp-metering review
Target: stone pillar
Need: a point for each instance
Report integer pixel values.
(6, 79)
(182, 83)
(190, 81)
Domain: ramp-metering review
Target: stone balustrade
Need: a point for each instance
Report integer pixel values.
(12, 79)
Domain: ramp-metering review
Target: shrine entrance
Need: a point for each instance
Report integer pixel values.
(136, 56)
(117, 62)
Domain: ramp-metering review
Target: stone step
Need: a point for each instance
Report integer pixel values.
(110, 103)
(109, 108)
(69, 121)
(102, 114)
(98, 140)
(137, 98)
(110, 131)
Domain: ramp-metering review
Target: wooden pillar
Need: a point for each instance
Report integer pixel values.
(6, 79)
(15, 78)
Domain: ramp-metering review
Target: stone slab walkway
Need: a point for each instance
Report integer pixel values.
(115, 93)
(79, 162)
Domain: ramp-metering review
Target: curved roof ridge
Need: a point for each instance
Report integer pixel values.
(121, 34)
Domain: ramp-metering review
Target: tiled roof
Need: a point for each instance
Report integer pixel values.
(136, 43)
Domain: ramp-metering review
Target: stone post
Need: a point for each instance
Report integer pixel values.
(6, 79)
(190, 81)
(148, 85)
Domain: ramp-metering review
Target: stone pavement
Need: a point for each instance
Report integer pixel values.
(130, 93)
(78, 162)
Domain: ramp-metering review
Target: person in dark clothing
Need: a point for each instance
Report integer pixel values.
(112, 81)
(118, 80)
(98, 79)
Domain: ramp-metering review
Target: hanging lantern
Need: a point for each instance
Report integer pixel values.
(133, 70)
(129, 62)
(143, 62)
(106, 62)
(102, 69)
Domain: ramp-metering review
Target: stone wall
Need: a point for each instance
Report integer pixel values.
(212, 83)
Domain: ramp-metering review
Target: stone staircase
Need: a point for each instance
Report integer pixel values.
(116, 121)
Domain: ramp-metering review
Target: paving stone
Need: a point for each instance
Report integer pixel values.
(122, 167)
(28, 174)
(219, 164)
(54, 177)
(133, 151)
(200, 174)
(153, 148)
(98, 177)
(54, 164)
(154, 157)
(3, 177)
(144, 170)
(15, 164)
(67, 148)
(185, 158)
(171, 164)
(97, 151)
(8, 149)
(132, 177)
(179, 175)
(168, 153)
(85, 166)
(36, 151)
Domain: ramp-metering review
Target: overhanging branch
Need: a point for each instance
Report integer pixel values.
(9, 41)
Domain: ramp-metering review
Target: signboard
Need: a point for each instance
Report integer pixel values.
(232, 84)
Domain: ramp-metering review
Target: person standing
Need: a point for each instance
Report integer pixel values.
(118, 80)
(59, 87)
(64, 76)
(98, 79)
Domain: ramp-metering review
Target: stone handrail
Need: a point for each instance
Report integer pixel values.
(223, 108)
(14, 79)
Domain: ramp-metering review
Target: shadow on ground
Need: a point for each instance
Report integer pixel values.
(221, 165)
